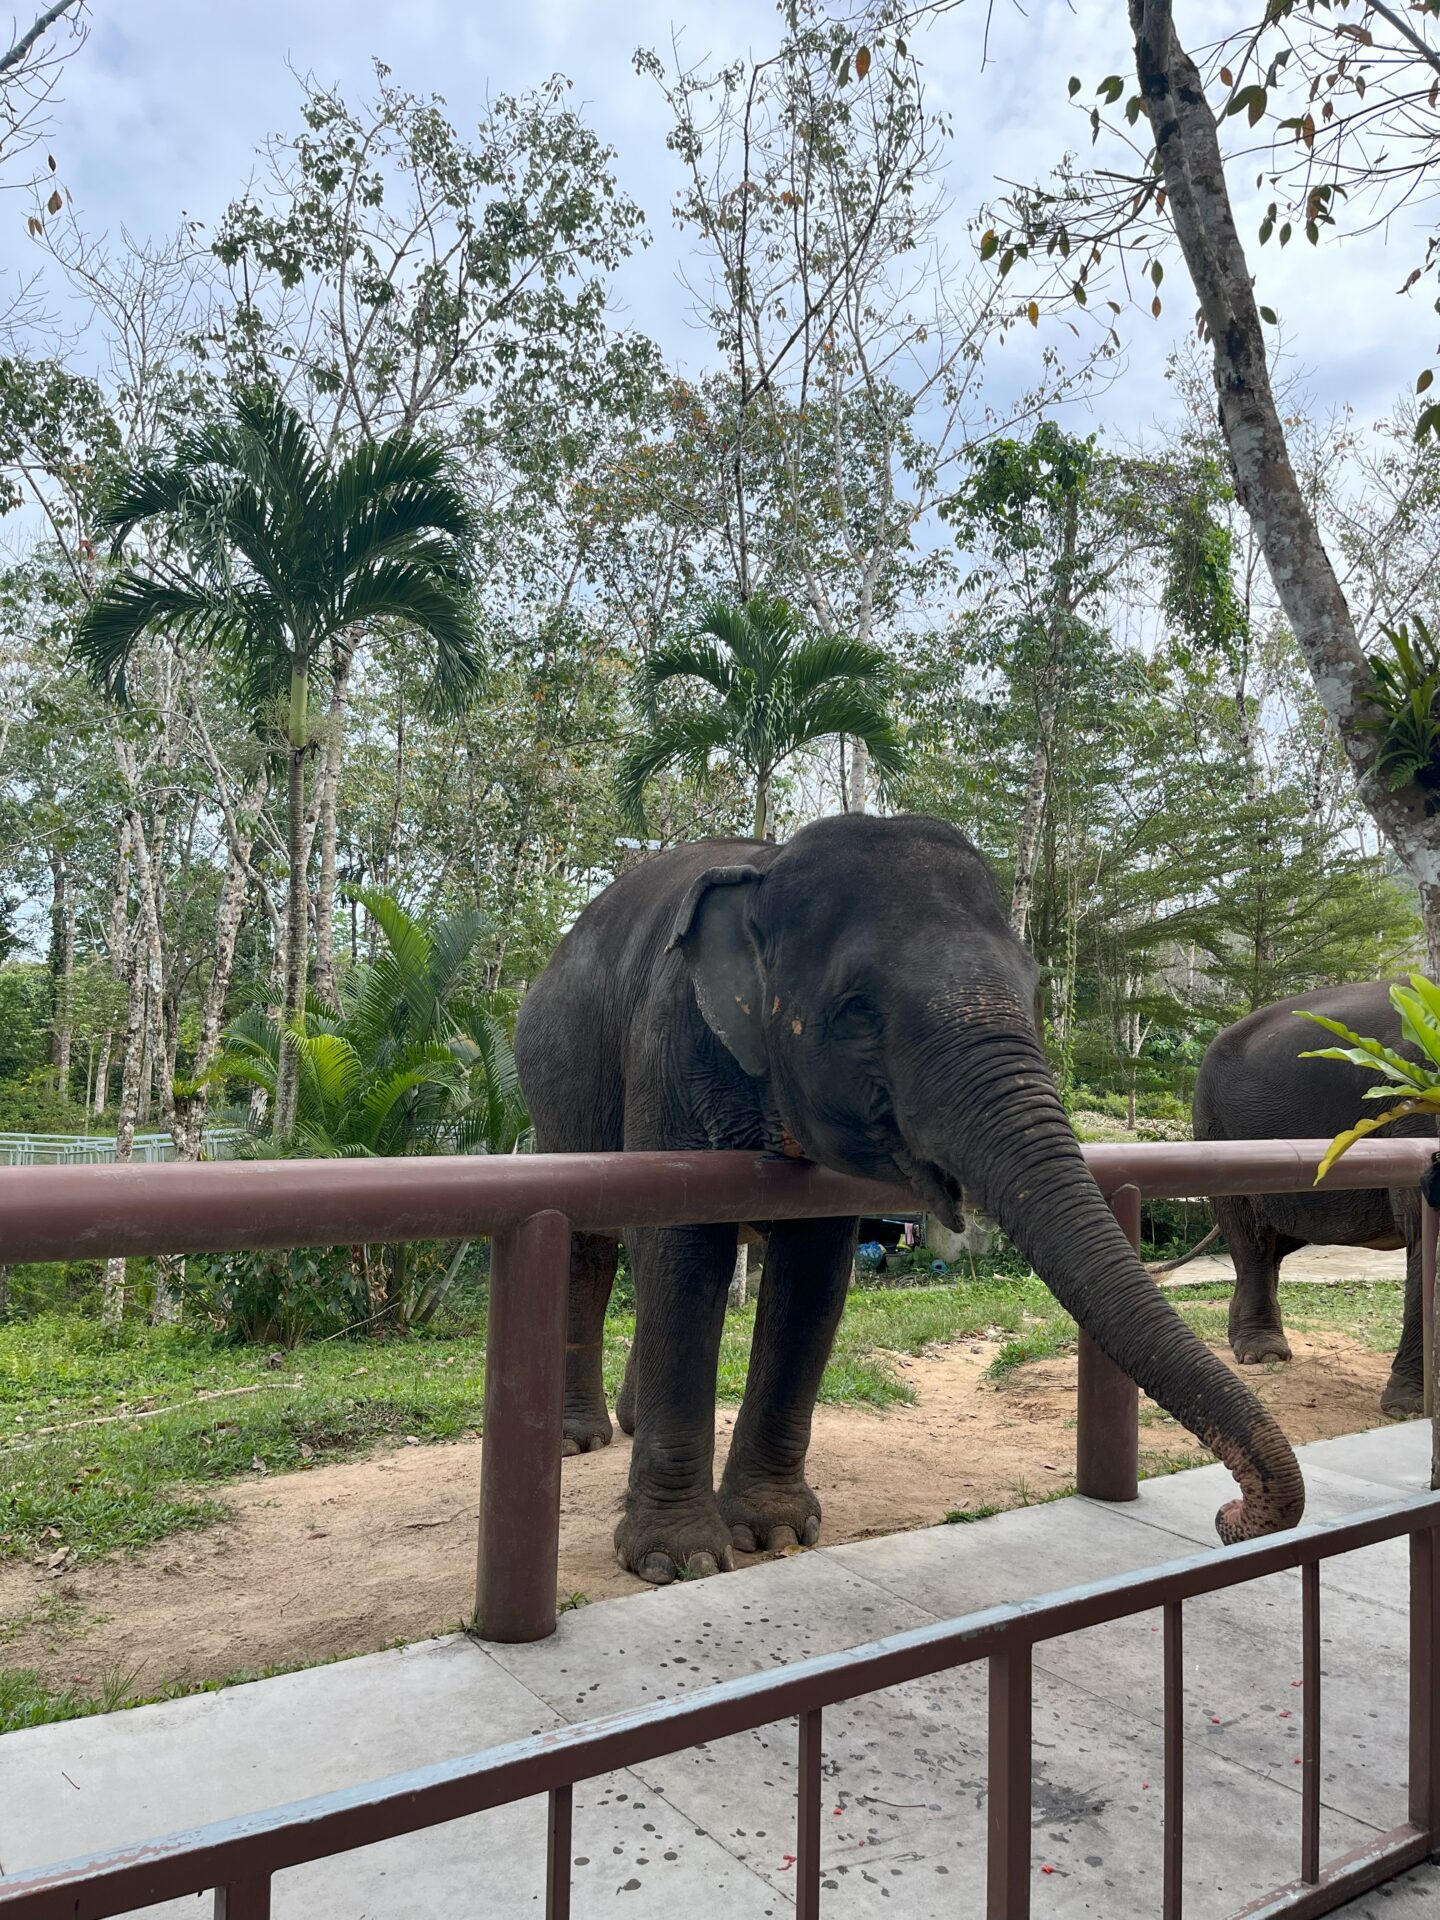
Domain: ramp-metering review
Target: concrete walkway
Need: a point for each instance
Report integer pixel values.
(710, 1833)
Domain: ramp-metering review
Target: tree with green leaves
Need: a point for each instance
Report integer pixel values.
(408, 1062)
(772, 688)
(263, 551)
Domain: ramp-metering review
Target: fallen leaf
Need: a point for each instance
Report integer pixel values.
(307, 1452)
(257, 1465)
(57, 1560)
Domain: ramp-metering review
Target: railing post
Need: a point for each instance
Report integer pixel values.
(243, 1900)
(524, 1416)
(1424, 1680)
(1107, 1439)
(1429, 1228)
(1007, 1850)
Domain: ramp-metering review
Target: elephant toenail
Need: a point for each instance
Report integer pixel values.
(782, 1537)
(701, 1565)
(658, 1569)
(744, 1539)
(812, 1529)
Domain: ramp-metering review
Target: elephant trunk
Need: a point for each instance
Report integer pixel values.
(1008, 1139)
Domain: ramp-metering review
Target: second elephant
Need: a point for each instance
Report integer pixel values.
(1253, 1085)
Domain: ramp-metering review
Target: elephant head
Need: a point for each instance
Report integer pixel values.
(867, 975)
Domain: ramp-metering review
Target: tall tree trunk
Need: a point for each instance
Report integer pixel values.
(191, 1109)
(115, 951)
(297, 933)
(62, 968)
(1032, 819)
(1052, 671)
(329, 808)
(762, 805)
(859, 775)
(112, 1306)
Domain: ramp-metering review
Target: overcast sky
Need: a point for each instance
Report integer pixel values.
(166, 103)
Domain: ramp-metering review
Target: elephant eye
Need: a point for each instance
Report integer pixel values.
(854, 1019)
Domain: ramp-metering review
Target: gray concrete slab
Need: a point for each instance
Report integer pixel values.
(1397, 1454)
(87, 1784)
(905, 1772)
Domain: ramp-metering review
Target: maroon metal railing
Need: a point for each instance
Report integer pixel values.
(239, 1858)
(531, 1206)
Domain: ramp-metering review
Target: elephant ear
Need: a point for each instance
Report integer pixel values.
(712, 932)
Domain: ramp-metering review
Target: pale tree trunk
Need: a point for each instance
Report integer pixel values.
(112, 1306)
(1193, 174)
(115, 951)
(329, 795)
(63, 958)
(859, 775)
(1037, 792)
(1032, 819)
(190, 1112)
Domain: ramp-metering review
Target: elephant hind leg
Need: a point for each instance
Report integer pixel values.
(593, 1259)
(1256, 1330)
(1404, 1394)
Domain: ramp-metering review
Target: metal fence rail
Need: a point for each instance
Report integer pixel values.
(530, 1206)
(98, 1149)
(239, 1858)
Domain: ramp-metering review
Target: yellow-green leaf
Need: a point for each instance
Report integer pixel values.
(1343, 1142)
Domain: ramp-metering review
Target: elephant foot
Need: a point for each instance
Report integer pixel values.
(586, 1430)
(765, 1515)
(1260, 1344)
(1403, 1398)
(667, 1543)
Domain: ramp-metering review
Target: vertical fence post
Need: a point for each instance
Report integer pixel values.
(244, 1900)
(1007, 1850)
(1107, 1439)
(1429, 1229)
(1424, 1681)
(524, 1417)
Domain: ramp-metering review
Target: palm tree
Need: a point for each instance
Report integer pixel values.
(269, 555)
(774, 688)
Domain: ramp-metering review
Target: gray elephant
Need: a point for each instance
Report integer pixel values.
(1253, 1085)
(856, 995)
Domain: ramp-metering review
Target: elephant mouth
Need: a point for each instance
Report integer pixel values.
(942, 1193)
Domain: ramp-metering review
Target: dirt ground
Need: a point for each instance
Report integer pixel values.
(351, 1558)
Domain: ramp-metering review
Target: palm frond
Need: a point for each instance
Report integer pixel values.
(681, 739)
(128, 606)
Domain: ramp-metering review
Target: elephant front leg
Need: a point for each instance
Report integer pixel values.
(592, 1274)
(764, 1496)
(1404, 1395)
(671, 1525)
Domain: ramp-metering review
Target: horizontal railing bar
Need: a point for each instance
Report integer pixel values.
(1345, 1879)
(268, 1842)
(99, 1212)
